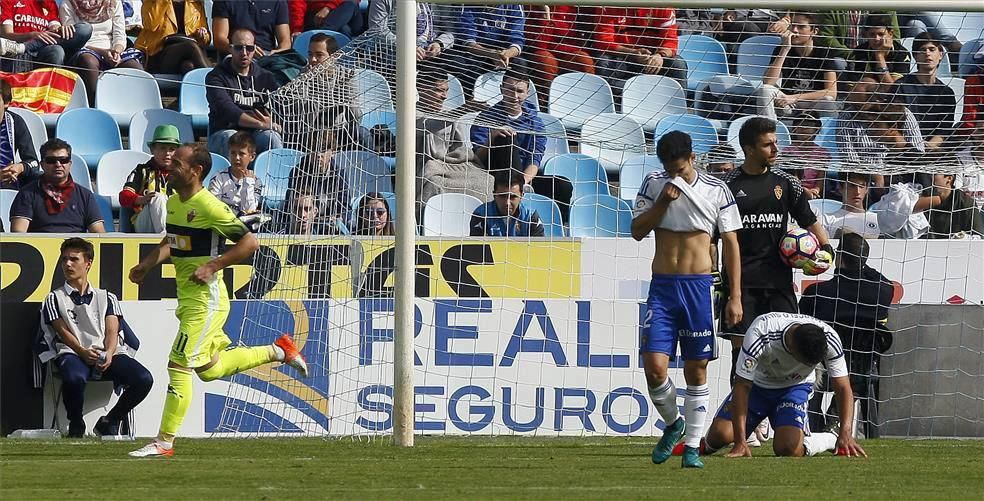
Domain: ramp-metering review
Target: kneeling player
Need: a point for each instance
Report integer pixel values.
(774, 379)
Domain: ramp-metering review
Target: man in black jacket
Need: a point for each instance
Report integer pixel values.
(15, 138)
(237, 95)
(855, 302)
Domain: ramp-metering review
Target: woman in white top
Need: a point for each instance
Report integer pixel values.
(107, 47)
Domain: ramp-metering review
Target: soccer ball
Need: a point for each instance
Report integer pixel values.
(798, 247)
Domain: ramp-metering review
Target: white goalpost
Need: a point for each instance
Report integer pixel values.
(427, 330)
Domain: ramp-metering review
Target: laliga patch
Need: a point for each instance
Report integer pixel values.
(749, 363)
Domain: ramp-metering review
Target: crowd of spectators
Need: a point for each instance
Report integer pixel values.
(891, 104)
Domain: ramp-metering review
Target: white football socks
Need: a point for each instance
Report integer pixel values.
(664, 399)
(819, 442)
(695, 404)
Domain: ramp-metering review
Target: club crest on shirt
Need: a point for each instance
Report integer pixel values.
(192, 213)
(778, 192)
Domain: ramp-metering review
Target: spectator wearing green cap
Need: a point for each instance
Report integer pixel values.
(145, 191)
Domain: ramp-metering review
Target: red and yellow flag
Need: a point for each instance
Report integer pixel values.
(45, 90)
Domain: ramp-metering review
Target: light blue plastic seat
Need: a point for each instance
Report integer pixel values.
(372, 91)
(612, 138)
(219, 164)
(121, 92)
(703, 134)
(273, 167)
(114, 168)
(106, 210)
(6, 200)
(755, 55)
(705, 57)
(647, 98)
(35, 124)
(91, 132)
(633, 171)
(556, 137)
(79, 99)
(549, 212)
(80, 171)
(192, 100)
(967, 64)
(600, 216)
(143, 124)
(585, 173)
(363, 171)
(449, 215)
(575, 97)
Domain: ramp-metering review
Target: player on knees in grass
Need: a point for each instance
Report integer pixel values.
(766, 197)
(197, 224)
(685, 208)
(775, 376)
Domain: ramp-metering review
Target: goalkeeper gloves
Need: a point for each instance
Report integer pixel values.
(821, 262)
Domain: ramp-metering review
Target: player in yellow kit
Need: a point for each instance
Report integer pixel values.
(197, 225)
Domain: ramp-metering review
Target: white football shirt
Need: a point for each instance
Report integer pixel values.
(705, 205)
(863, 223)
(765, 361)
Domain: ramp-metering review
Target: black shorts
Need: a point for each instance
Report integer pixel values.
(755, 302)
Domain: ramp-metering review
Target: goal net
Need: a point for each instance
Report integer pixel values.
(539, 335)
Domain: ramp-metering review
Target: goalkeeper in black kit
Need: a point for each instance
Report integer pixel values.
(766, 197)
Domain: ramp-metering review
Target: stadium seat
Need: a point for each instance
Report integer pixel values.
(35, 124)
(942, 72)
(449, 214)
(6, 200)
(710, 99)
(967, 64)
(80, 171)
(372, 91)
(363, 171)
(192, 100)
(303, 40)
(633, 171)
(611, 138)
(600, 216)
(487, 89)
(827, 139)
(576, 97)
(106, 209)
(755, 55)
(273, 168)
(79, 99)
(456, 94)
(782, 134)
(121, 92)
(957, 84)
(549, 212)
(113, 170)
(91, 132)
(705, 57)
(647, 98)
(556, 137)
(144, 123)
(702, 132)
(585, 173)
(219, 164)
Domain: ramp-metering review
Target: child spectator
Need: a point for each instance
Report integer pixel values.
(880, 55)
(146, 190)
(853, 215)
(804, 158)
(237, 186)
(721, 160)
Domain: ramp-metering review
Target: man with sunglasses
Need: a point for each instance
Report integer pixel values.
(237, 95)
(54, 203)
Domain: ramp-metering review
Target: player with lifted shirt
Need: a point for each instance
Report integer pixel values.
(766, 197)
(776, 368)
(684, 208)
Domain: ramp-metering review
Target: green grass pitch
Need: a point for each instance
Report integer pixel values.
(468, 468)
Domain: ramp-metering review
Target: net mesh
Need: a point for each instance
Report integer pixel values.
(519, 335)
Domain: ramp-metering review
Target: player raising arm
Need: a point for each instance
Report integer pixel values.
(197, 224)
(775, 376)
(685, 208)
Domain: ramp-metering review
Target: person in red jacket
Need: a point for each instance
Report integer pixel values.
(635, 41)
(557, 37)
(342, 16)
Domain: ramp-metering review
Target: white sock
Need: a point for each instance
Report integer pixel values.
(664, 399)
(278, 353)
(695, 404)
(819, 442)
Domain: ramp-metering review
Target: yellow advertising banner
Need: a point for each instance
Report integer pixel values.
(293, 268)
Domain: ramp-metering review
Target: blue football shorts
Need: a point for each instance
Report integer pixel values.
(680, 311)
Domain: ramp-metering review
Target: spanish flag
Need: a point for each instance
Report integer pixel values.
(45, 90)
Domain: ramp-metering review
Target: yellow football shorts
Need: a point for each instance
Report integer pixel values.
(200, 337)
